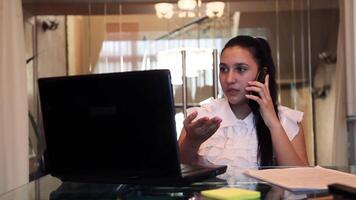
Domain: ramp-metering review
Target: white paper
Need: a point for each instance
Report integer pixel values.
(303, 178)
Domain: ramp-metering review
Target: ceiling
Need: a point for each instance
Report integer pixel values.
(119, 1)
(97, 7)
(81, 7)
(94, 1)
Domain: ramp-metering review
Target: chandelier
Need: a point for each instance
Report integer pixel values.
(186, 8)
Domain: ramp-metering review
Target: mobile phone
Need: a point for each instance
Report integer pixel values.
(260, 78)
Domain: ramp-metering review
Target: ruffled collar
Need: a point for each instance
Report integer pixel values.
(229, 118)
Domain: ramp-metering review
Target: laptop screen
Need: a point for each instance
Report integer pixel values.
(104, 123)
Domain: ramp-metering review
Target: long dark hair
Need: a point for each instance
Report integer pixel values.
(261, 52)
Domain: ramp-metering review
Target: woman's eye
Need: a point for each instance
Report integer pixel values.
(240, 69)
(223, 69)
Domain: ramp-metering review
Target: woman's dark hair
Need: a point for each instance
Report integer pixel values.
(261, 52)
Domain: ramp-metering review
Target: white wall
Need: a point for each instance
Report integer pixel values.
(13, 98)
(349, 19)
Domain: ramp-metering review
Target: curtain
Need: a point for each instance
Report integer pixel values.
(13, 98)
(85, 38)
(339, 137)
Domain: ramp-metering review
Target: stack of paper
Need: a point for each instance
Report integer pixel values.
(303, 178)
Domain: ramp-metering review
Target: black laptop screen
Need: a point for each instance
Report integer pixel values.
(122, 122)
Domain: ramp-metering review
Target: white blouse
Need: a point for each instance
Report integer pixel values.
(235, 142)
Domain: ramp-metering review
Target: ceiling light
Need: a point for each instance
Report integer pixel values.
(164, 10)
(187, 4)
(186, 8)
(215, 9)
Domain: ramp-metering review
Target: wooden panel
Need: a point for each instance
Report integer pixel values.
(127, 31)
(88, 9)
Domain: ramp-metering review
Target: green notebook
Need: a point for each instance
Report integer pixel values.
(230, 194)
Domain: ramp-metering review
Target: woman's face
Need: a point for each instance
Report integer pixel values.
(237, 68)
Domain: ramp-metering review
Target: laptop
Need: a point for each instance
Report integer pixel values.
(114, 128)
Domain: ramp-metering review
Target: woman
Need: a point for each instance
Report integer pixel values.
(243, 129)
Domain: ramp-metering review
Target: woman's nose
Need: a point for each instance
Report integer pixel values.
(231, 77)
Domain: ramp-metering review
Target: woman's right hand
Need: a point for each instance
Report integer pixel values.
(193, 135)
(201, 129)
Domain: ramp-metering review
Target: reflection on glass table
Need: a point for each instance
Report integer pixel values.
(49, 187)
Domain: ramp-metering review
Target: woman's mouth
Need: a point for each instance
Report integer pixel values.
(232, 91)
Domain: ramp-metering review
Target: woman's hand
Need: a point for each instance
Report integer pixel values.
(193, 135)
(264, 100)
(288, 153)
(200, 130)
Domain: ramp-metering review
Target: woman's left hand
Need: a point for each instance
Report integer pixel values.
(264, 101)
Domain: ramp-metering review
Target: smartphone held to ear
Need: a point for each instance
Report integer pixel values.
(261, 75)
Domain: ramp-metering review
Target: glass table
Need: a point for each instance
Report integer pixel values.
(48, 187)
